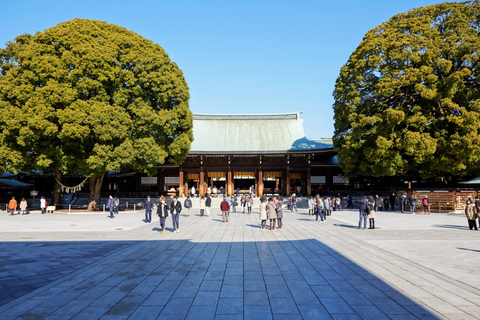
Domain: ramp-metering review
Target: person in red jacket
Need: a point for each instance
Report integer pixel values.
(225, 207)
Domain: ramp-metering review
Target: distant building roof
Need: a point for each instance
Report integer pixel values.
(473, 181)
(252, 133)
(6, 174)
(8, 184)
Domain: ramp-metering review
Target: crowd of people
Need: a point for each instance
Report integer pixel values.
(271, 208)
(162, 209)
(23, 206)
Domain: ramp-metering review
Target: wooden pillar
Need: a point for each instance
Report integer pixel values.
(309, 182)
(201, 190)
(229, 181)
(260, 182)
(288, 183)
(160, 182)
(180, 191)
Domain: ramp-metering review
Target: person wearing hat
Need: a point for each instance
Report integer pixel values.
(148, 210)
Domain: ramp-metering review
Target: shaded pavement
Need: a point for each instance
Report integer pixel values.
(90, 267)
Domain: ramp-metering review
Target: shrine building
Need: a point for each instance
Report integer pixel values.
(267, 151)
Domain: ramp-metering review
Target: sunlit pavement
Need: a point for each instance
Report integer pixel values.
(88, 266)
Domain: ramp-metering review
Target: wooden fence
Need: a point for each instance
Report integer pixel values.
(444, 200)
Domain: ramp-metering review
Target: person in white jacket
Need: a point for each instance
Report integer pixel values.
(43, 205)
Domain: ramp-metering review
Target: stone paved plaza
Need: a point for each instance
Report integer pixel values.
(87, 266)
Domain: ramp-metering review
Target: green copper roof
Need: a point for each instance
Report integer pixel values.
(252, 133)
(7, 183)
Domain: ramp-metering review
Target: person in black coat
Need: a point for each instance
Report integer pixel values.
(148, 209)
(175, 209)
(208, 204)
(162, 213)
(392, 201)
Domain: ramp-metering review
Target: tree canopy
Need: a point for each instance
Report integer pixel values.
(89, 97)
(408, 101)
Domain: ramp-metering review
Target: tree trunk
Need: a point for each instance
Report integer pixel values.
(57, 188)
(95, 190)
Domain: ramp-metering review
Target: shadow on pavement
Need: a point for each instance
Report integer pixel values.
(450, 226)
(469, 249)
(345, 226)
(26, 266)
(199, 280)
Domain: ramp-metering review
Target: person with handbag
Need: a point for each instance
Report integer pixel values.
(278, 207)
(43, 205)
(412, 200)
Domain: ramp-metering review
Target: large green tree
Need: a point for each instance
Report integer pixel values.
(408, 101)
(90, 97)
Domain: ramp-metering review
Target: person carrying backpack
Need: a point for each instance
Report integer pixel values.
(187, 204)
(425, 203)
(412, 200)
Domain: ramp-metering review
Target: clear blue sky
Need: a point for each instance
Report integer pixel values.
(261, 56)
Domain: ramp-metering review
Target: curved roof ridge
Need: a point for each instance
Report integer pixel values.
(260, 116)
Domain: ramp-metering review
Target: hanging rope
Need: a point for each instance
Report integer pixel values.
(74, 188)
